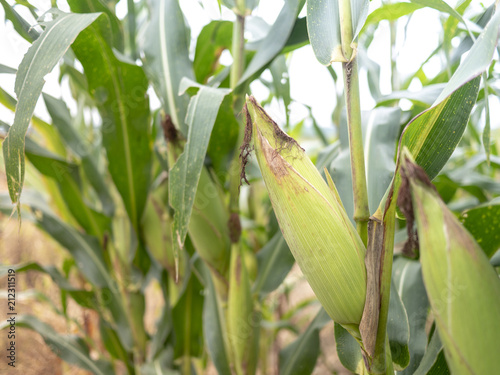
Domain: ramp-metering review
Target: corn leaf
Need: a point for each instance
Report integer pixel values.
(166, 58)
(454, 268)
(187, 315)
(40, 59)
(23, 28)
(300, 357)
(94, 6)
(70, 348)
(407, 276)
(61, 120)
(7, 69)
(67, 177)
(477, 60)
(119, 90)
(274, 262)
(391, 12)
(214, 324)
(185, 174)
(275, 39)
(213, 39)
(380, 136)
(483, 224)
(398, 330)
(433, 361)
(84, 298)
(348, 350)
(323, 25)
(112, 343)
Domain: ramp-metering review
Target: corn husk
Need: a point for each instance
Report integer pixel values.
(315, 226)
(463, 288)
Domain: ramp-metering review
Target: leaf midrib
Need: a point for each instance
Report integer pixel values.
(123, 122)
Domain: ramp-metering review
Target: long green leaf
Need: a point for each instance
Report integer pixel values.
(61, 119)
(95, 6)
(120, 91)
(40, 59)
(391, 12)
(23, 28)
(275, 40)
(185, 174)
(70, 348)
(166, 58)
(67, 178)
(478, 59)
(84, 298)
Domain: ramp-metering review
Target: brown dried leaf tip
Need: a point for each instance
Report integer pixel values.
(409, 170)
(169, 131)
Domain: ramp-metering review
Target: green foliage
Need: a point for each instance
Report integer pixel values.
(145, 196)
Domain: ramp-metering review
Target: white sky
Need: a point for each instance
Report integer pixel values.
(310, 82)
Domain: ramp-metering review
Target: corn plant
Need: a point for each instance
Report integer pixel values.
(394, 223)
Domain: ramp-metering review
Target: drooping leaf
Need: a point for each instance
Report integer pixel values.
(442, 6)
(391, 12)
(275, 40)
(299, 358)
(477, 60)
(214, 38)
(40, 59)
(22, 26)
(70, 348)
(119, 89)
(185, 174)
(95, 6)
(166, 58)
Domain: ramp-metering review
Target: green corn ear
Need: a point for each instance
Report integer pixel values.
(463, 288)
(315, 226)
